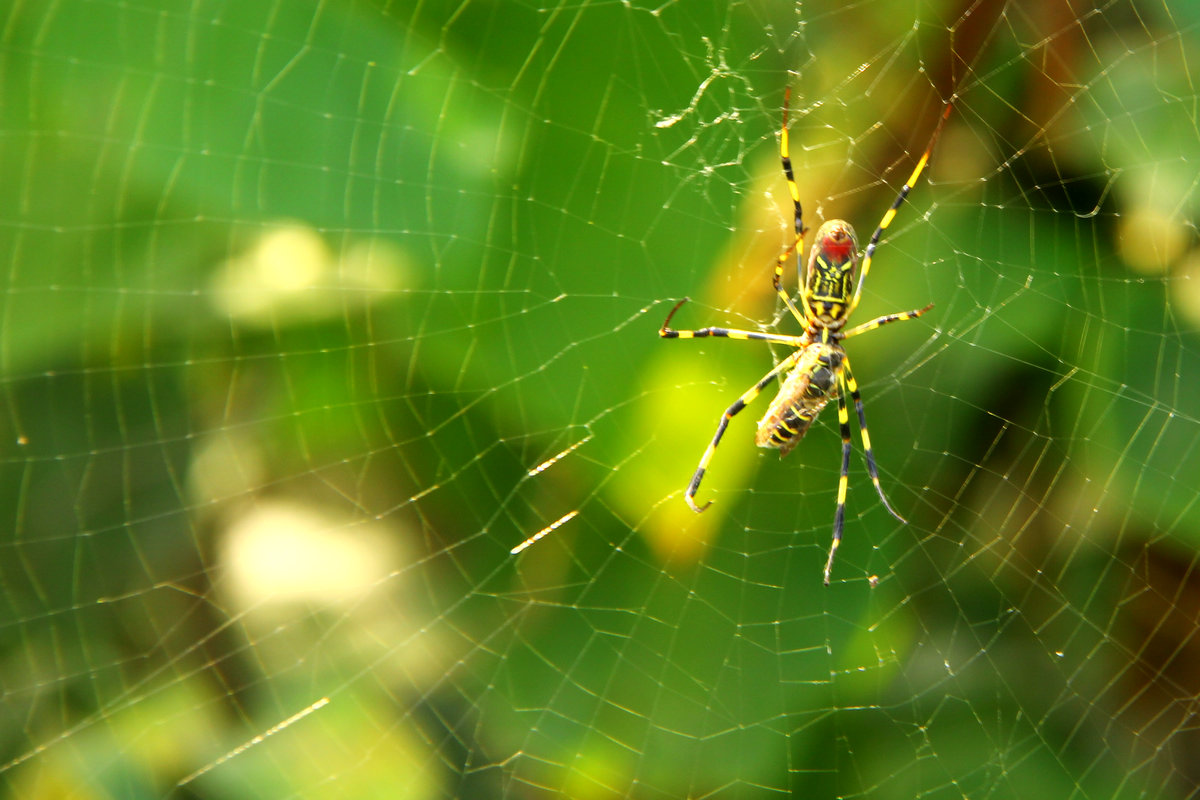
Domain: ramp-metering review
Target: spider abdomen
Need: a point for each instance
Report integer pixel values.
(807, 388)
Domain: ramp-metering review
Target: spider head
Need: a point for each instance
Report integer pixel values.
(832, 263)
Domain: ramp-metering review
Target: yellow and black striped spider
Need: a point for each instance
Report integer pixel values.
(818, 368)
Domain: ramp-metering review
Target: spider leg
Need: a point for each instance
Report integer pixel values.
(846, 383)
(667, 332)
(743, 401)
(884, 320)
(839, 517)
(852, 385)
(890, 214)
(777, 283)
(797, 245)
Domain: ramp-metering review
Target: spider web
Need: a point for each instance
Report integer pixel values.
(313, 312)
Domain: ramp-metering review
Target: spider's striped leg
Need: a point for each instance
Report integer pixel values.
(846, 383)
(890, 214)
(779, 290)
(785, 157)
(667, 332)
(884, 320)
(852, 385)
(839, 517)
(743, 401)
(797, 245)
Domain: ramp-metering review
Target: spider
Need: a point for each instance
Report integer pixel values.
(818, 369)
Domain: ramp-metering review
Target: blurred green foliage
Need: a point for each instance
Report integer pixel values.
(299, 295)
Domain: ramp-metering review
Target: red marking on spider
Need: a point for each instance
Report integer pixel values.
(838, 244)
